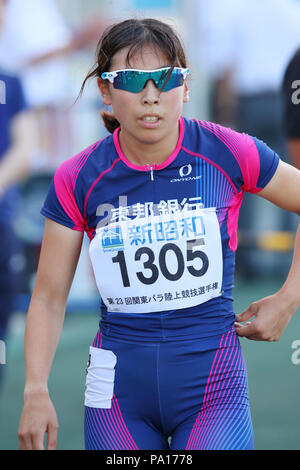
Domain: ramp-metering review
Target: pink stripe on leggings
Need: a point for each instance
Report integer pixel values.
(218, 395)
(206, 412)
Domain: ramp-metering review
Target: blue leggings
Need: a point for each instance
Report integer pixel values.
(140, 394)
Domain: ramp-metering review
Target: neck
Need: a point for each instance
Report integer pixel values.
(142, 153)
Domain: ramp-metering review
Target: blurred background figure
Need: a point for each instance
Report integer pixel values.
(17, 135)
(291, 105)
(38, 43)
(34, 29)
(37, 40)
(247, 47)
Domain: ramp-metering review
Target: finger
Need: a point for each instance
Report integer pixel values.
(52, 437)
(25, 443)
(245, 330)
(38, 441)
(255, 337)
(247, 314)
(250, 331)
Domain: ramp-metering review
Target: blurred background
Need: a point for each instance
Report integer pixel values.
(238, 52)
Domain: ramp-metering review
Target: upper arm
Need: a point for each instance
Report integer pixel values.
(294, 150)
(284, 188)
(58, 260)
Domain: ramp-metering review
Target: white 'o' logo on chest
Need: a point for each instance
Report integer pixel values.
(185, 170)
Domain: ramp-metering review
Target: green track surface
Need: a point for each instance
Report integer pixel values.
(274, 381)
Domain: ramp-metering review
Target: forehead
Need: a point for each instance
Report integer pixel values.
(148, 57)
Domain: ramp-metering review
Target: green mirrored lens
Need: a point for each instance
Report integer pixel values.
(134, 80)
(175, 80)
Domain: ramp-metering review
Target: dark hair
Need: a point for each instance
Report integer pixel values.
(135, 34)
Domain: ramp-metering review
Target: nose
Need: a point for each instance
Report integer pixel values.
(150, 94)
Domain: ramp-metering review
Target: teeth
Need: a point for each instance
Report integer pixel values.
(150, 118)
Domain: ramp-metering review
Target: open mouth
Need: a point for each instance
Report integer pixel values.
(150, 121)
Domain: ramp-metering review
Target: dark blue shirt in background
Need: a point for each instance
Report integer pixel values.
(14, 104)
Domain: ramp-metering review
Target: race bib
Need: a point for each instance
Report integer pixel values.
(164, 262)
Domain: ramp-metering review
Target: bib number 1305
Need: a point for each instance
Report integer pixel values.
(150, 264)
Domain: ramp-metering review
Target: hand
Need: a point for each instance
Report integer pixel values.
(38, 417)
(271, 316)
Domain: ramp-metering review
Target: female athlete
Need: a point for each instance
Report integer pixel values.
(159, 200)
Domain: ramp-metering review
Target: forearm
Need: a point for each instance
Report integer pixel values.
(290, 290)
(53, 54)
(43, 329)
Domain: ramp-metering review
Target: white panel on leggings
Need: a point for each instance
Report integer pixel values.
(100, 378)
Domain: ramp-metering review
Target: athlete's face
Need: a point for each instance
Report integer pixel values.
(132, 109)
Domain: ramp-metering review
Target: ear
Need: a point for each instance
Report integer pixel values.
(105, 92)
(186, 93)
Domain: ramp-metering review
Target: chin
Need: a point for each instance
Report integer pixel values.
(151, 136)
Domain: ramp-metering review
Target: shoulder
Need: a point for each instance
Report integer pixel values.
(212, 136)
(212, 129)
(246, 160)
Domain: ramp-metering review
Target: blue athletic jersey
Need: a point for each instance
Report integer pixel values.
(190, 200)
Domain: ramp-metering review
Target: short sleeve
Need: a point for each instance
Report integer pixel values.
(60, 204)
(258, 163)
(268, 163)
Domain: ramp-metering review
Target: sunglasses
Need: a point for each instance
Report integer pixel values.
(134, 80)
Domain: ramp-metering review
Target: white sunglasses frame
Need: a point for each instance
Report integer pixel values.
(112, 75)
